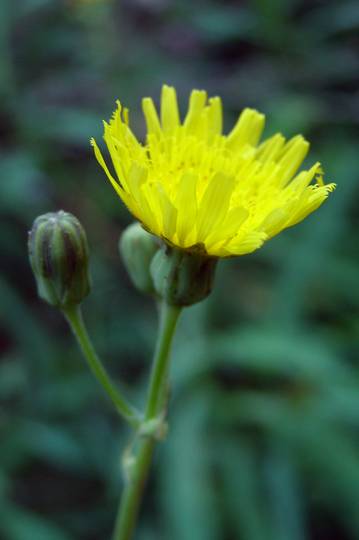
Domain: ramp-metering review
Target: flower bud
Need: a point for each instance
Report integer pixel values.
(182, 278)
(58, 253)
(137, 248)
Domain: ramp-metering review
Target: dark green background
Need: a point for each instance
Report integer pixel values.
(264, 414)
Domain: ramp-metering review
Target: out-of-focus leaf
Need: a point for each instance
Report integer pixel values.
(20, 182)
(262, 350)
(222, 24)
(285, 494)
(53, 444)
(17, 524)
(336, 17)
(70, 126)
(187, 496)
(30, 335)
(244, 493)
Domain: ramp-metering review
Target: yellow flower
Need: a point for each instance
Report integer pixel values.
(200, 190)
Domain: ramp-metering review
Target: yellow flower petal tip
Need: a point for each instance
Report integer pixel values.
(199, 189)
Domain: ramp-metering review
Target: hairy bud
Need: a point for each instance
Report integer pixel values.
(58, 253)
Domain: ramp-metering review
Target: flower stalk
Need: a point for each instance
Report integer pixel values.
(155, 410)
(74, 317)
(168, 321)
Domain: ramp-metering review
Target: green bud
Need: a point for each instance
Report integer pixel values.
(182, 278)
(58, 253)
(137, 248)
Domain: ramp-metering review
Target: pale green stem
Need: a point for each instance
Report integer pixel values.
(131, 498)
(168, 320)
(74, 317)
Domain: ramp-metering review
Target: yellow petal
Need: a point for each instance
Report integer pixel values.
(214, 116)
(315, 198)
(196, 106)
(247, 130)
(152, 121)
(294, 153)
(137, 176)
(214, 205)
(230, 227)
(270, 149)
(102, 162)
(169, 109)
(247, 244)
(168, 211)
(186, 204)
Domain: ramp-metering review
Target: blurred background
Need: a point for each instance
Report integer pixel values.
(264, 414)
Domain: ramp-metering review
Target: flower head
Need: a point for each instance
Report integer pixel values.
(201, 190)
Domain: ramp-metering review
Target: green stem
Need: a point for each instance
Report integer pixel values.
(74, 317)
(131, 498)
(132, 494)
(168, 319)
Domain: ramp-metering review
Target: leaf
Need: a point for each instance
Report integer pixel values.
(187, 497)
(285, 493)
(244, 492)
(18, 524)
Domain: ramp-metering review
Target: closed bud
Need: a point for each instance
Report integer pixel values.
(137, 248)
(182, 278)
(58, 253)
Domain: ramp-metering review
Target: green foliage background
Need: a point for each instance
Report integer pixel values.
(264, 414)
